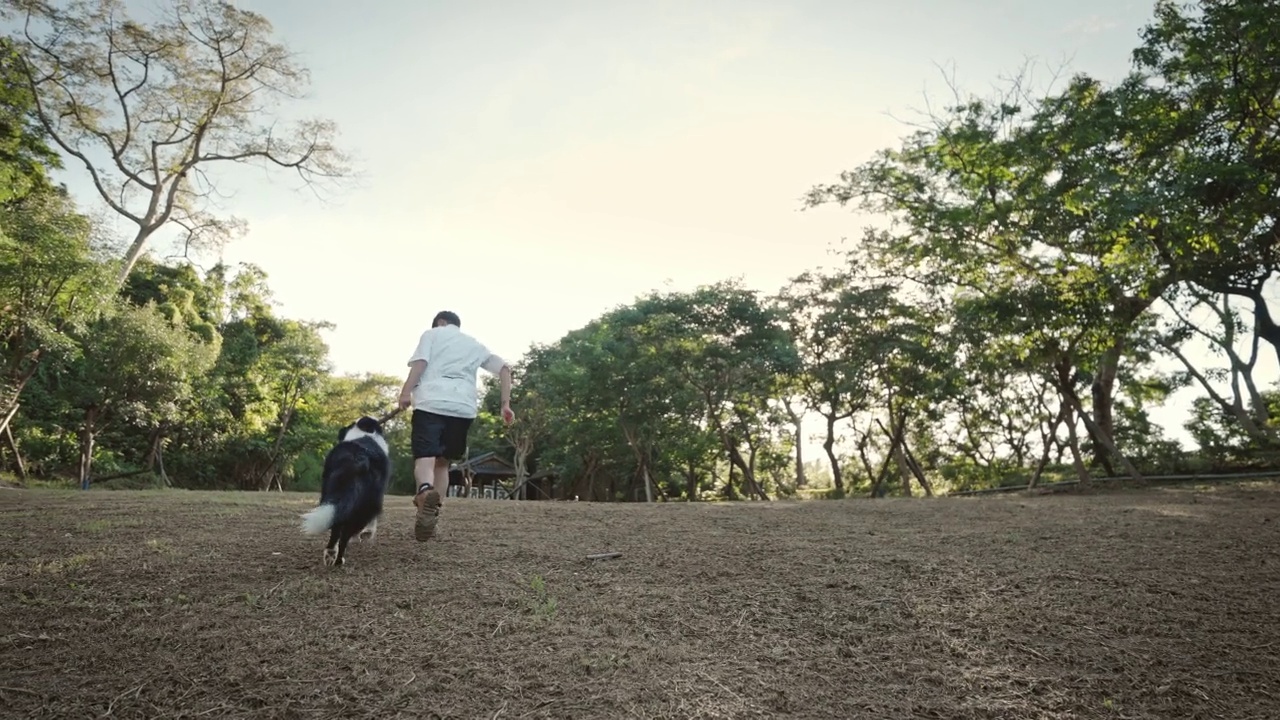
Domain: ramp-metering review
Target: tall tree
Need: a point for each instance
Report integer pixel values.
(841, 323)
(25, 155)
(138, 365)
(1208, 72)
(157, 112)
(51, 284)
(732, 349)
(988, 207)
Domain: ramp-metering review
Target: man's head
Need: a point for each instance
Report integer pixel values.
(445, 317)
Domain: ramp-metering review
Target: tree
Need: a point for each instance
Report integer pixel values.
(51, 285)
(733, 351)
(25, 155)
(611, 390)
(988, 208)
(1221, 439)
(842, 324)
(1209, 73)
(1245, 404)
(296, 368)
(136, 365)
(526, 434)
(154, 111)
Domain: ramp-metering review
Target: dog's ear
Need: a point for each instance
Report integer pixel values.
(369, 425)
(342, 432)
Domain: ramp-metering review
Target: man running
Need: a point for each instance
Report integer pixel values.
(441, 387)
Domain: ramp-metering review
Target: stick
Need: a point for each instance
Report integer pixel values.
(390, 415)
(604, 556)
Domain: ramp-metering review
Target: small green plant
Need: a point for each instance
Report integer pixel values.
(543, 605)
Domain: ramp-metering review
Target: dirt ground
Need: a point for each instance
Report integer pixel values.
(1154, 604)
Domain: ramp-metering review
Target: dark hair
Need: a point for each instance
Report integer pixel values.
(447, 316)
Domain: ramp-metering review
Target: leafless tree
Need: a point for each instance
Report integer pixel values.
(158, 111)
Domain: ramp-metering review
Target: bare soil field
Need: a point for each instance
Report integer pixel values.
(1152, 604)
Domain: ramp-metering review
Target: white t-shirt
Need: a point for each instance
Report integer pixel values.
(448, 386)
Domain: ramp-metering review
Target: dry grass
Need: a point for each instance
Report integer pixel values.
(1155, 604)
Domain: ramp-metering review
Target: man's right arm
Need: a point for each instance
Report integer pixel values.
(504, 384)
(499, 367)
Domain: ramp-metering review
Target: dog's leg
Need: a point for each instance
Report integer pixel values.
(370, 531)
(343, 539)
(331, 552)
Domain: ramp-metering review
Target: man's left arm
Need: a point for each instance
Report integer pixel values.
(417, 366)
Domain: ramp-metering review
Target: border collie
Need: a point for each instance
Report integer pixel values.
(357, 471)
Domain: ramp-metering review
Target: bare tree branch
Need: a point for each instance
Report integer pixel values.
(148, 109)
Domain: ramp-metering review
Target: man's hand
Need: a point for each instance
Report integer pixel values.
(406, 398)
(508, 417)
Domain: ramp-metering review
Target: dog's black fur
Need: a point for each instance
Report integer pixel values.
(357, 471)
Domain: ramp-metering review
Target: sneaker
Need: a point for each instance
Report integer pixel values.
(428, 502)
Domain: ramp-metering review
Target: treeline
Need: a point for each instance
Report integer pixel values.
(1044, 259)
(117, 367)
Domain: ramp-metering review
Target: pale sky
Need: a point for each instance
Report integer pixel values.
(531, 164)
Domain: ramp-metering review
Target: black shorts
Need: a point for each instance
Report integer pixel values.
(436, 435)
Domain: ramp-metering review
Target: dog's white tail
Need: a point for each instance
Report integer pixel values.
(319, 520)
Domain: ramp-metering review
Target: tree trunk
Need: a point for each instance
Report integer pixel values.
(271, 471)
(1264, 325)
(520, 461)
(1103, 393)
(8, 416)
(6, 425)
(590, 467)
(866, 462)
(155, 455)
(801, 480)
(829, 446)
(11, 391)
(1103, 437)
(692, 477)
(1073, 442)
(87, 432)
(748, 477)
(918, 470)
(1254, 424)
(907, 465)
(164, 475)
(904, 472)
(642, 464)
(1048, 440)
(19, 465)
(135, 251)
(877, 485)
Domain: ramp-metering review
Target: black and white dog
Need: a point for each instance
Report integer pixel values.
(356, 473)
